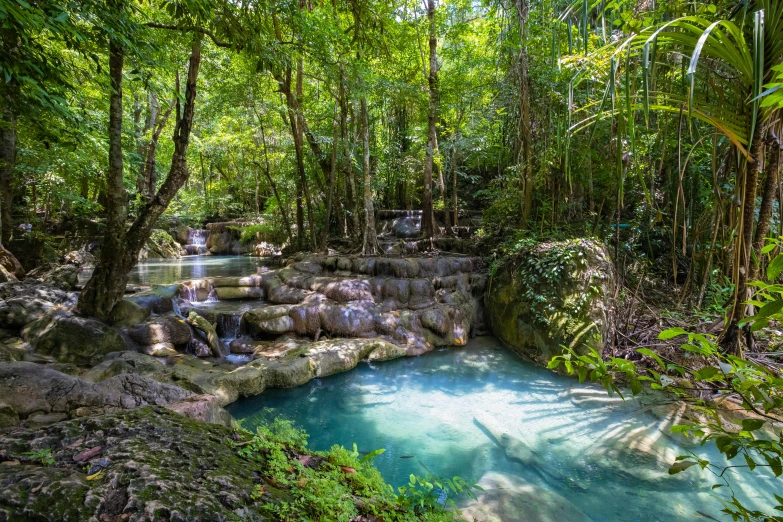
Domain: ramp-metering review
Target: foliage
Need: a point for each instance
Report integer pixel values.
(339, 484)
(44, 456)
(759, 389)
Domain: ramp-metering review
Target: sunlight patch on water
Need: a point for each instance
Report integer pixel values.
(481, 412)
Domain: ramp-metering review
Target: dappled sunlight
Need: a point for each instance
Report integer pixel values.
(480, 410)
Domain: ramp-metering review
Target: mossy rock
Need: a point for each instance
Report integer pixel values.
(552, 295)
(72, 339)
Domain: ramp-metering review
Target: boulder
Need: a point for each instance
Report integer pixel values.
(551, 295)
(23, 303)
(72, 339)
(160, 245)
(80, 258)
(160, 350)
(10, 264)
(128, 313)
(172, 330)
(204, 408)
(64, 277)
(8, 416)
(154, 304)
(30, 388)
(267, 320)
(227, 293)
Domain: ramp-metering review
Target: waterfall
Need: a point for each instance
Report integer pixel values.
(198, 237)
(228, 325)
(189, 293)
(197, 240)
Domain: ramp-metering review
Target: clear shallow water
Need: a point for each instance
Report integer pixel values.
(571, 452)
(165, 271)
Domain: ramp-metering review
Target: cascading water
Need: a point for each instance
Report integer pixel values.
(228, 325)
(189, 293)
(197, 240)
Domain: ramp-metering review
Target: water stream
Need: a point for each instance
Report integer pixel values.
(572, 452)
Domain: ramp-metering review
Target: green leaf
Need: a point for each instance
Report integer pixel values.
(681, 466)
(751, 464)
(706, 373)
(775, 267)
(774, 464)
(372, 454)
(650, 353)
(752, 424)
(671, 333)
(770, 309)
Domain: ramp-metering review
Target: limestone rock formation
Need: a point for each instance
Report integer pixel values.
(71, 339)
(553, 295)
(160, 245)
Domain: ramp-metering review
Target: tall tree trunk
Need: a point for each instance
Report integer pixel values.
(7, 166)
(107, 284)
(331, 184)
(150, 164)
(8, 100)
(280, 205)
(347, 164)
(744, 244)
(120, 249)
(428, 218)
(525, 138)
(767, 200)
(369, 236)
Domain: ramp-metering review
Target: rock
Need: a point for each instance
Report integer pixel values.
(128, 313)
(30, 388)
(226, 293)
(153, 304)
(406, 227)
(163, 467)
(80, 258)
(204, 408)
(8, 416)
(506, 497)
(118, 363)
(160, 245)
(246, 345)
(161, 330)
(64, 277)
(10, 264)
(225, 238)
(575, 309)
(267, 320)
(23, 303)
(205, 326)
(160, 350)
(11, 351)
(72, 339)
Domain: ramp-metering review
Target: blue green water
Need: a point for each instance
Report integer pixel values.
(166, 271)
(572, 453)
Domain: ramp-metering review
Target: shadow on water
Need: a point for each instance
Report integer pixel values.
(480, 410)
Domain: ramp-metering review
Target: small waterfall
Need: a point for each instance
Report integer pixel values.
(228, 325)
(198, 237)
(197, 240)
(189, 292)
(212, 295)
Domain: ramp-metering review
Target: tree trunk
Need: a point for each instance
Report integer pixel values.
(150, 165)
(7, 166)
(369, 236)
(107, 284)
(331, 184)
(526, 159)
(347, 164)
(744, 243)
(767, 201)
(280, 205)
(120, 249)
(428, 218)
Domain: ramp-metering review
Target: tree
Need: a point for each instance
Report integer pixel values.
(428, 217)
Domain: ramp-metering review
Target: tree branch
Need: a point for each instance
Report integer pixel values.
(193, 28)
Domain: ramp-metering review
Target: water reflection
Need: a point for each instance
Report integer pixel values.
(165, 271)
